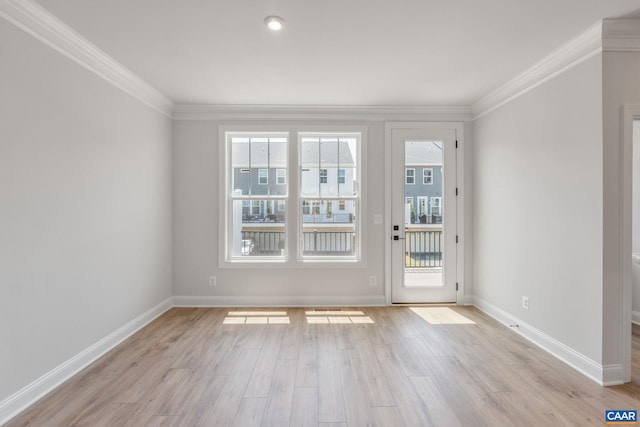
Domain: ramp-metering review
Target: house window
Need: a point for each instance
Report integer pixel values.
(323, 176)
(410, 176)
(256, 207)
(436, 206)
(281, 176)
(427, 176)
(329, 178)
(250, 200)
(263, 176)
(306, 208)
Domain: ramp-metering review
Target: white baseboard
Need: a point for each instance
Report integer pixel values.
(280, 301)
(19, 401)
(465, 300)
(609, 375)
(612, 375)
(635, 317)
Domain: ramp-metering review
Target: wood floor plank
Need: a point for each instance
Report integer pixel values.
(223, 412)
(330, 391)
(305, 407)
(250, 412)
(262, 375)
(307, 369)
(191, 368)
(280, 401)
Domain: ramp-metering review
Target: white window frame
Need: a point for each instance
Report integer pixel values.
(323, 174)
(342, 177)
(356, 197)
(427, 177)
(292, 258)
(431, 202)
(407, 176)
(281, 176)
(266, 176)
(258, 203)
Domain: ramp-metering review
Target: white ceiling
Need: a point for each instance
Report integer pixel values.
(331, 52)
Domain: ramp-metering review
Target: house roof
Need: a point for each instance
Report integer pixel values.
(329, 154)
(423, 153)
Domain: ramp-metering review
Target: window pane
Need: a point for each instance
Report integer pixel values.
(257, 228)
(257, 167)
(347, 182)
(255, 161)
(328, 228)
(328, 166)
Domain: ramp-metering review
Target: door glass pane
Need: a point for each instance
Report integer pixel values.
(423, 195)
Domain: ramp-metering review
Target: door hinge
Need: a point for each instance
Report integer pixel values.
(456, 143)
(456, 286)
(456, 191)
(456, 238)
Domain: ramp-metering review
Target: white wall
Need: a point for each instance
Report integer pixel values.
(636, 219)
(621, 85)
(537, 192)
(85, 209)
(196, 232)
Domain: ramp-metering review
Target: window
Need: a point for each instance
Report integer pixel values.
(255, 211)
(281, 176)
(263, 176)
(255, 193)
(436, 206)
(256, 207)
(410, 176)
(323, 176)
(427, 176)
(329, 178)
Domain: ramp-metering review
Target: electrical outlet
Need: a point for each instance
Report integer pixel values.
(213, 281)
(373, 281)
(525, 303)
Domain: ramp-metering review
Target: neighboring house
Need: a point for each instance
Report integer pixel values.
(331, 175)
(423, 183)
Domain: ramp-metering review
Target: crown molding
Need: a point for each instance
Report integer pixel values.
(572, 53)
(621, 35)
(35, 20)
(316, 112)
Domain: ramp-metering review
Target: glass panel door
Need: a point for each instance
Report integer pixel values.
(423, 216)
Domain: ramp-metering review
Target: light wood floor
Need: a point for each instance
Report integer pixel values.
(190, 367)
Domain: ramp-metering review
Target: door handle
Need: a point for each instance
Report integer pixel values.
(398, 238)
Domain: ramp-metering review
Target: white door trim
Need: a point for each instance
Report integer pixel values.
(630, 113)
(458, 128)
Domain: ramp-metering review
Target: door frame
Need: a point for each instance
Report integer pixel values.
(458, 128)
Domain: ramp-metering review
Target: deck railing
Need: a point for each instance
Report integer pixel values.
(423, 248)
(264, 243)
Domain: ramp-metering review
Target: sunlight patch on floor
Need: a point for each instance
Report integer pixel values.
(257, 317)
(441, 316)
(337, 317)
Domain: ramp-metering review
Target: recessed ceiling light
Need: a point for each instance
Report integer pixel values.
(274, 23)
